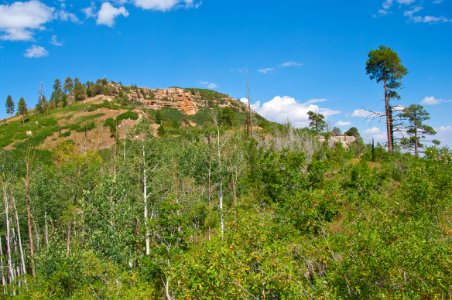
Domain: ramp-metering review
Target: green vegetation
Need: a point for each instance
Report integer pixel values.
(206, 209)
(297, 220)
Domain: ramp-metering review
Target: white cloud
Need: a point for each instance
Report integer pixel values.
(266, 70)
(165, 5)
(413, 9)
(430, 19)
(287, 109)
(90, 12)
(362, 113)
(108, 14)
(430, 100)
(54, 41)
(67, 16)
(19, 20)
(342, 123)
(444, 134)
(374, 133)
(373, 130)
(36, 52)
(209, 85)
(291, 63)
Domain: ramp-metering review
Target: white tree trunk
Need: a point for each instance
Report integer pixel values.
(46, 231)
(22, 259)
(8, 246)
(5, 290)
(221, 185)
(145, 203)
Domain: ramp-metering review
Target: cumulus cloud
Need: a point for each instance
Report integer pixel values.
(374, 133)
(209, 85)
(19, 20)
(444, 134)
(342, 123)
(36, 52)
(287, 109)
(108, 14)
(361, 113)
(165, 5)
(430, 100)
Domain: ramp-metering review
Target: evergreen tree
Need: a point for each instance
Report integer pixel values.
(57, 94)
(384, 65)
(68, 85)
(416, 130)
(353, 131)
(336, 131)
(22, 107)
(79, 91)
(9, 105)
(42, 105)
(317, 123)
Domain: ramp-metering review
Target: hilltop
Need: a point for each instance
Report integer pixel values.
(110, 111)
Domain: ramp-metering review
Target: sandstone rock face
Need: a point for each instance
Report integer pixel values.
(346, 141)
(186, 101)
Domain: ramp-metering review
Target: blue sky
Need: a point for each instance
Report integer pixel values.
(300, 55)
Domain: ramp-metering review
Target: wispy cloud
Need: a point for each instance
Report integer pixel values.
(54, 41)
(36, 52)
(342, 123)
(361, 113)
(411, 10)
(266, 70)
(430, 100)
(166, 5)
(290, 64)
(286, 64)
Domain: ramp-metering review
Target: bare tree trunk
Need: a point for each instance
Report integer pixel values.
(37, 235)
(5, 290)
(210, 185)
(22, 259)
(68, 239)
(30, 233)
(416, 142)
(234, 191)
(388, 117)
(8, 239)
(46, 234)
(221, 184)
(167, 293)
(145, 203)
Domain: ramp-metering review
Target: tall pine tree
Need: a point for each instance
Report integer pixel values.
(10, 105)
(22, 108)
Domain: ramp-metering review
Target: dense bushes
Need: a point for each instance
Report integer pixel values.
(328, 225)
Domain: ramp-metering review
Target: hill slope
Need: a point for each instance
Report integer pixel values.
(96, 122)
